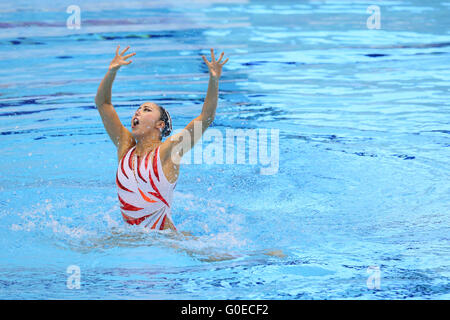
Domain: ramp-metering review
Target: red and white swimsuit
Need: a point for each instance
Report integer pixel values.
(144, 192)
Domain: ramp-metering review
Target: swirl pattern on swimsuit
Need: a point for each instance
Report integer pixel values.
(143, 190)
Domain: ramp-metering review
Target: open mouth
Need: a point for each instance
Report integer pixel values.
(135, 122)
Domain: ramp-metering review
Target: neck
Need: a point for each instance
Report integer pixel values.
(146, 144)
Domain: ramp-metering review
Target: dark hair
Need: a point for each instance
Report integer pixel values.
(165, 116)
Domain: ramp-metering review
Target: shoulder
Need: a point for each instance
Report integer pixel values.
(124, 146)
(167, 152)
(169, 163)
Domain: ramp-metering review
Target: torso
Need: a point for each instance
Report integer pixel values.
(145, 193)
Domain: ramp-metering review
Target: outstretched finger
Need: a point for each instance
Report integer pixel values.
(125, 50)
(221, 56)
(226, 60)
(129, 55)
(206, 61)
(128, 62)
(212, 55)
(117, 50)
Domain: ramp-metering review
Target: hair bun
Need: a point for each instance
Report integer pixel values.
(166, 132)
(165, 116)
(168, 129)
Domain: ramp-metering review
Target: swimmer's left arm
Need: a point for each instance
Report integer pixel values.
(212, 95)
(190, 135)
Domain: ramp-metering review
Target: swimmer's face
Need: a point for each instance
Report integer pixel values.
(146, 119)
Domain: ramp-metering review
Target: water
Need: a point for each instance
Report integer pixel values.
(363, 178)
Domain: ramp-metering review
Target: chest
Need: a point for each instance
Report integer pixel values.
(140, 165)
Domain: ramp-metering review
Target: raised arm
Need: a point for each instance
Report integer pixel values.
(191, 132)
(209, 106)
(116, 130)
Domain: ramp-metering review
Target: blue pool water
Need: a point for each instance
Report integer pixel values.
(364, 144)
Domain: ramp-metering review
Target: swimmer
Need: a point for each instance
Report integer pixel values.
(147, 171)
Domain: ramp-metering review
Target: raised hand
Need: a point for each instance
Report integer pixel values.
(120, 60)
(215, 67)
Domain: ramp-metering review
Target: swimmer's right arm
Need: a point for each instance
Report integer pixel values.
(116, 130)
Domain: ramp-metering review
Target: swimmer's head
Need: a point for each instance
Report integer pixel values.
(151, 118)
